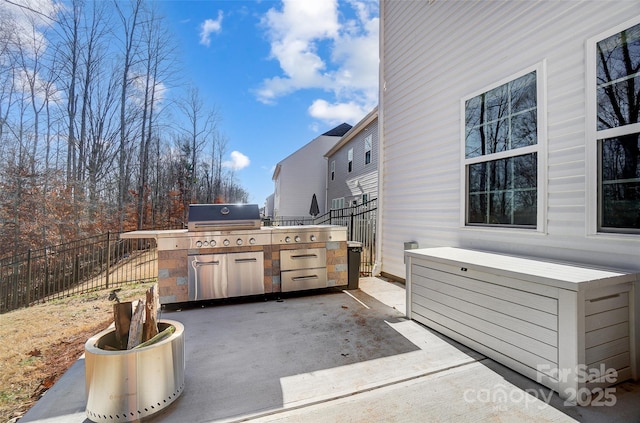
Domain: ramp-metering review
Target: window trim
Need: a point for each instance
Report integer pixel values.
(592, 135)
(350, 160)
(368, 138)
(332, 170)
(540, 148)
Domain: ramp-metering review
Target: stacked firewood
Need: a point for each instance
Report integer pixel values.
(136, 323)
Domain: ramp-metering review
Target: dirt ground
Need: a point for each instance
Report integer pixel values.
(40, 343)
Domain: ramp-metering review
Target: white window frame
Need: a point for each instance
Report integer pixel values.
(333, 170)
(337, 203)
(540, 148)
(593, 135)
(350, 160)
(368, 147)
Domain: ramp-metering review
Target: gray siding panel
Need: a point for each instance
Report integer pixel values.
(363, 179)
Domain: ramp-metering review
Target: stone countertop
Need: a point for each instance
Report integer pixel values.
(152, 234)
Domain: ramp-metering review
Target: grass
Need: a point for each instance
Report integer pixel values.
(40, 343)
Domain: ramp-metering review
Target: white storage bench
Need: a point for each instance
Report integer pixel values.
(564, 325)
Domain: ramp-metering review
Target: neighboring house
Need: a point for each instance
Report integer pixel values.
(303, 174)
(352, 171)
(268, 207)
(510, 126)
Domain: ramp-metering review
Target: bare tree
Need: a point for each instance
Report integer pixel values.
(158, 61)
(83, 98)
(130, 26)
(201, 126)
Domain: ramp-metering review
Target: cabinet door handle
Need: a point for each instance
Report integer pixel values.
(246, 260)
(303, 278)
(594, 300)
(304, 256)
(205, 263)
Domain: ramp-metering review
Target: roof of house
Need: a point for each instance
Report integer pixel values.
(370, 117)
(338, 131)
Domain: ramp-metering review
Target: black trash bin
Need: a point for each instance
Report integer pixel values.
(354, 250)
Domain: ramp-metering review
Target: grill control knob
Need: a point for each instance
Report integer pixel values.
(287, 239)
(198, 244)
(313, 237)
(226, 242)
(239, 241)
(212, 243)
(297, 238)
(205, 244)
(252, 241)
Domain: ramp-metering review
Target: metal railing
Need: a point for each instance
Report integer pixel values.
(99, 262)
(360, 221)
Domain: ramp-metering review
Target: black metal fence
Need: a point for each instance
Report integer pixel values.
(98, 262)
(106, 261)
(360, 221)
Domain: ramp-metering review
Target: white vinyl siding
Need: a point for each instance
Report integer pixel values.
(302, 174)
(433, 54)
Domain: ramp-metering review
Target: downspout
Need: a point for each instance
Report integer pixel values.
(326, 185)
(377, 265)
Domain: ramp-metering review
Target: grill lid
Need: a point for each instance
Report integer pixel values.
(207, 217)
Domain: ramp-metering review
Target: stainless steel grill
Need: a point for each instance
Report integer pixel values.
(223, 217)
(222, 275)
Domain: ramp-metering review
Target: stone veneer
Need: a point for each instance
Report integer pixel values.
(173, 282)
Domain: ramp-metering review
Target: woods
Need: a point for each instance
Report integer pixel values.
(98, 131)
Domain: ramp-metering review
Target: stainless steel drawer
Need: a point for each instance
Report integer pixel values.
(298, 280)
(303, 258)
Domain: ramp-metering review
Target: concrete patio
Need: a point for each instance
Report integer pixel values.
(337, 356)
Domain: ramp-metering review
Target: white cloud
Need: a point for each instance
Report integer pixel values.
(22, 30)
(238, 161)
(337, 112)
(23, 23)
(208, 27)
(317, 48)
(139, 82)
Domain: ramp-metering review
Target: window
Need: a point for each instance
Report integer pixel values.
(365, 198)
(350, 159)
(501, 161)
(337, 203)
(333, 169)
(367, 149)
(617, 131)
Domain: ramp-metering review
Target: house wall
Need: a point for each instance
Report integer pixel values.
(434, 54)
(301, 175)
(268, 206)
(363, 179)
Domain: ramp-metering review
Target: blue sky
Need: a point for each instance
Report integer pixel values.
(279, 73)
